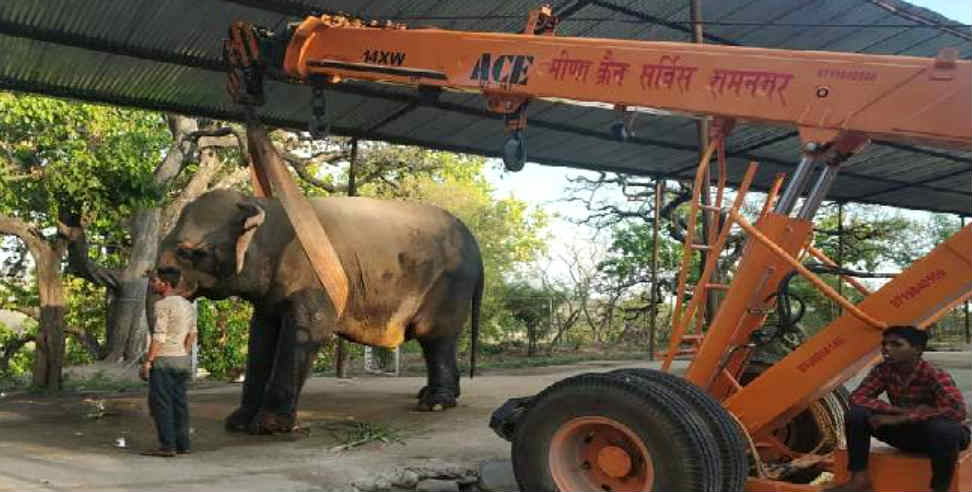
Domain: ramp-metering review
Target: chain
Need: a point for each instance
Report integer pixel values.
(318, 126)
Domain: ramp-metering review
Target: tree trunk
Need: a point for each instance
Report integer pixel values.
(128, 306)
(49, 345)
(210, 165)
(127, 324)
(531, 340)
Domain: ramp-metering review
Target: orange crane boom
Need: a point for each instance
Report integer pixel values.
(837, 101)
(897, 98)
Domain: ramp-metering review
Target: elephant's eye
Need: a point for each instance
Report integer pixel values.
(184, 253)
(190, 254)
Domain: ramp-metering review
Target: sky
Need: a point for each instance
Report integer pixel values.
(545, 186)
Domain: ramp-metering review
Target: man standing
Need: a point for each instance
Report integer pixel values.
(167, 364)
(926, 413)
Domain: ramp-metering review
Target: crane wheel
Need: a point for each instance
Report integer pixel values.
(814, 429)
(607, 433)
(728, 436)
(514, 152)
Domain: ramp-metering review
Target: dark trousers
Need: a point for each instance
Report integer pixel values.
(939, 438)
(169, 406)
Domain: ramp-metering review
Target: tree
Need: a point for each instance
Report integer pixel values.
(89, 182)
(533, 307)
(107, 183)
(630, 222)
(57, 160)
(574, 293)
(196, 151)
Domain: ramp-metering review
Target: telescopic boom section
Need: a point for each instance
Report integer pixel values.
(905, 99)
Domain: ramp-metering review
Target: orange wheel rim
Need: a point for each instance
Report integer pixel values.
(599, 453)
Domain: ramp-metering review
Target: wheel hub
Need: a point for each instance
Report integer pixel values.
(599, 453)
(614, 461)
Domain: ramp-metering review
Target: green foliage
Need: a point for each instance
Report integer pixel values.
(868, 235)
(531, 305)
(628, 261)
(87, 312)
(62, 159)
(531, 309)
(223, 327)
(917, 238)
(20, 364)
(57, 154)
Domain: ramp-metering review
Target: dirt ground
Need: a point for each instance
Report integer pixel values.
(53, 443)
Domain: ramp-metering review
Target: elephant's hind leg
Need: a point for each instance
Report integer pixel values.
(442, 389)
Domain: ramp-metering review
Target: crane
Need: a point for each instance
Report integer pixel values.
(651, 430)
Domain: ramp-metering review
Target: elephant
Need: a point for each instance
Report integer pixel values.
(414, 271)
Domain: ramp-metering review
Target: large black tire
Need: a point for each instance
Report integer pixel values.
(729, 438)
(675, 443)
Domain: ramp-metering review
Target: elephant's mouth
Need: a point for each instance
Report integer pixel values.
(187, 288)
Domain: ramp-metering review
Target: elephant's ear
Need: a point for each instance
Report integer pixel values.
(253, 216)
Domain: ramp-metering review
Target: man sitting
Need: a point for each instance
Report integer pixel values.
(926, 413)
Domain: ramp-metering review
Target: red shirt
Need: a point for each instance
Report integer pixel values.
(927, 385)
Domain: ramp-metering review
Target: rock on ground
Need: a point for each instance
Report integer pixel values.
(434, 485)
(497, 476)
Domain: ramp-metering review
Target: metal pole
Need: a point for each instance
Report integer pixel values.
(796, 186)
(550, 317)
(702, 127)
(352, 168)
(653, 319)
(968, 333)
(840, 249)
(820, 190)
(194, 352)
(341, 352)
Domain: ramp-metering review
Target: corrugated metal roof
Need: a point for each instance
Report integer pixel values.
(165, 55)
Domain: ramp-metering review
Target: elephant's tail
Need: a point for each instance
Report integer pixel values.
(474, 335)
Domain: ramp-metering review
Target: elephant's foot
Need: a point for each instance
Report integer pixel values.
(239, 420)
(434, 399)
(425, 389)
(272, 423)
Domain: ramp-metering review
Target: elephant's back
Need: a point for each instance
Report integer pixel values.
(370, 219)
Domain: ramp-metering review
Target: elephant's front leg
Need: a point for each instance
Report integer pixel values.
(264, 329)
(443, 374)
(296, 350)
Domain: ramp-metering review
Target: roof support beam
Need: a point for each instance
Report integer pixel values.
(918, 150)
(573, 9)
(658, 20)
(398, 113)
(918, 183)
(283, 7)
(100, 45)
(746, 149)
(919, 19)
